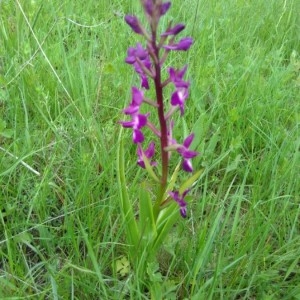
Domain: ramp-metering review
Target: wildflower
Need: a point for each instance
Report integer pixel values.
(176, 76)
(148, 153)
(134, 53)
(137, 120)
(181, 93)
(187, 154)
(136, 101)
(180, 200)
(139, 58)
(148, 64)
(179, 97)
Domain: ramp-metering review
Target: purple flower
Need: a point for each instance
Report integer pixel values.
(149, 153)
(179, 97)
(184, 44)
(136, 101)
(181, 93)
(174, 30)
(187, 154)
(148, 64)
(180, 200)
(137, 120)
(176, 76)
(139, 58)
(134, 23)
(134, 53)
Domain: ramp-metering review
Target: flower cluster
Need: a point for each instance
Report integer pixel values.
(147, 62)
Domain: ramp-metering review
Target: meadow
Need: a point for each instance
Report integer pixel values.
(63, 85)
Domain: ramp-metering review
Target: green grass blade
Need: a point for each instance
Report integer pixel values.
(125, 204)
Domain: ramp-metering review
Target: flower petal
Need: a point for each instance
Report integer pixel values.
(187, 153)
(180, 200)
(144, 82)
(137, 96)
(127, 124)
(137, 136)
(136, 101)
(183, 45)
(150, 150)
(176, 76)
(183, 211)
(174, 30)
(140, 121)
(179, 97)
(187, 142)
(187, 165)
(164, 8)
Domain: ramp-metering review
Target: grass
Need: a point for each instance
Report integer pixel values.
(63, 84)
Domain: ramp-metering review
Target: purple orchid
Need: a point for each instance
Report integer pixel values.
(179, 97)
(180, 200)
(147, 62)
(176, 77)
(183, 150)
(137, 120)
(148, 153)
(182, 92)
(187, 154)
(139, 58)
(136, 101)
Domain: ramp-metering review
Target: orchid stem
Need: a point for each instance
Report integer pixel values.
(162, 121)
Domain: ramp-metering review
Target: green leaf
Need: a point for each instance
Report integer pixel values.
(174, 177)
(155, 280)
(234, 165)
(125, 204)
(153, 272)
(213, 141)
(4, 132)
(149, 168)
(7, 133)
(146, 218)
(24, 237)
(122, 266)
(2, 125)
(166, 219)
(187, 184)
